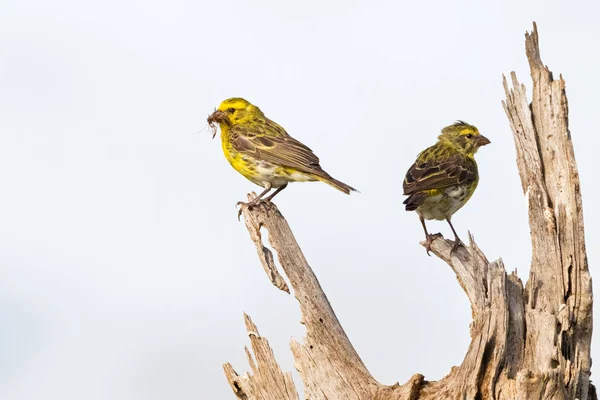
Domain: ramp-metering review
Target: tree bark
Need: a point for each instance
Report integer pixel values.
(527, 343)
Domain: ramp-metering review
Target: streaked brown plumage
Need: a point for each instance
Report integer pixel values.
(444, 176)
(263, 152)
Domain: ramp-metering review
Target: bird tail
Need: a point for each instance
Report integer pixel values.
(339, 185)
(414, 201)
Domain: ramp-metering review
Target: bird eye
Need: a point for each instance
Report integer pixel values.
(469, 136)
(231, 110)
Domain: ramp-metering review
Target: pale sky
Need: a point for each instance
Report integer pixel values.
(124, 272)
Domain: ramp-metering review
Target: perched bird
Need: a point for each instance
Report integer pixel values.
(263, 152)
(444, 176)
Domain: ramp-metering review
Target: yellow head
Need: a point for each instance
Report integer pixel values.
(464, 137)
(234, 111)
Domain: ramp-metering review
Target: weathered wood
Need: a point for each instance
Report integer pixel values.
(559, 289)
(527, 343)
(267, 382)
(329, 366)
(326, 351)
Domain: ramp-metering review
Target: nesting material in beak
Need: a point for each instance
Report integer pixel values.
(214, 119)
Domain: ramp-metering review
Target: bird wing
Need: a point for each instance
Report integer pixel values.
(434, 173)
(282, 150)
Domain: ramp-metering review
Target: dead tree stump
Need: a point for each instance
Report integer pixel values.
(527, 343)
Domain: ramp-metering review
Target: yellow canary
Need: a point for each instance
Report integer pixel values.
(444, 176)
(263, 152)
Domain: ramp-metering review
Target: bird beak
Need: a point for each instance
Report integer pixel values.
(215, 118)
(482, 141)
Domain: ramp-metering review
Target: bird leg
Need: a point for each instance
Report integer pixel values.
(428, 238)
(279, 189)
(457, 241)
(254, 201)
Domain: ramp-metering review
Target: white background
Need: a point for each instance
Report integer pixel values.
(123, 269)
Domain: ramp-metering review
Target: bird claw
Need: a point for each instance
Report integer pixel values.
(251, 204)
(428, 248)
(429, 240)
(457, 243)
(241, 204)
(264, 204)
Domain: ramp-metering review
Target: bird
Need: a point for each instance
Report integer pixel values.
(444, 177)
(263, 152)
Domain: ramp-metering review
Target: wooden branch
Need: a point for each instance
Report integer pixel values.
(497, 333)
(559, 289)
(326, 350)
(267, 381)
(526, 343)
